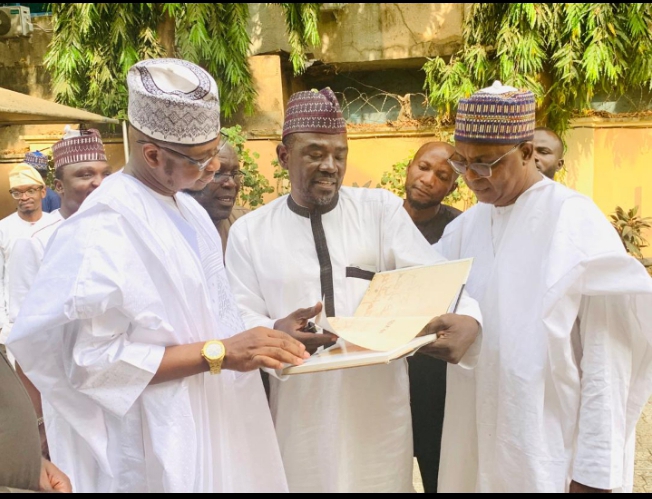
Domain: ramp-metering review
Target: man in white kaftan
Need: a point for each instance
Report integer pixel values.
(80, 167)
(565, 364)
(28, 189)
(346, 430)
(118, 352)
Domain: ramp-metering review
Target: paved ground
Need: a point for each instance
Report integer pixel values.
(643, 467)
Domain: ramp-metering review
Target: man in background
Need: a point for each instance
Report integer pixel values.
(220, 193)
(80, 167)
(548, 152)
(39, 161)
(429, 180)
(28, 189)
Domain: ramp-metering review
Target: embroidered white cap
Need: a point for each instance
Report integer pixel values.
(174, 101)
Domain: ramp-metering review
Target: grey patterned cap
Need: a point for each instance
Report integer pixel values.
(173, 101)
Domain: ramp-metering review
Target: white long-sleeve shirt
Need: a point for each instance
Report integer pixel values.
(565, 365)
(347, 430)
(122, 279)
(13, 228)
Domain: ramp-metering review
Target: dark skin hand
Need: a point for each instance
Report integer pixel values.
(296, 323)
(455, 335)
(266, 348)
(578, 488)
(252, 349)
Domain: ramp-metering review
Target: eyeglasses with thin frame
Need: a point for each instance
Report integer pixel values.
(30, 192)
(483, 170)
(221, 178)
(201, 164)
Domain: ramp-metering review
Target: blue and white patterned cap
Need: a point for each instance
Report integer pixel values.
(38, 160)
(174, 101)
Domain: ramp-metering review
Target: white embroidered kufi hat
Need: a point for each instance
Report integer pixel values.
(173, 101)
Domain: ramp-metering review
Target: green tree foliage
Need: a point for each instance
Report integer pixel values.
(254, 184)
(94, 44)
(394, 179)
(301, 20)
(565, 53)
(282, 177)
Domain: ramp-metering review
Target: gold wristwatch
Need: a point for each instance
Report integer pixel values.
(214, 352)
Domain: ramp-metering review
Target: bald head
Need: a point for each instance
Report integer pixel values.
(429, 176)
(436, 148)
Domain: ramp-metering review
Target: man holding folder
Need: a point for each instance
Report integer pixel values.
(344, 430)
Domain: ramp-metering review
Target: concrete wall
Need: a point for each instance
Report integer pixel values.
(368, 31)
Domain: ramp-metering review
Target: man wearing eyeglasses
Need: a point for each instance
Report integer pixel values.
(131, 332)
(219, 195)
(27, 188)
(566, 363)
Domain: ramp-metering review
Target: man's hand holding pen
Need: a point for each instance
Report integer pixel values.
(298, 326)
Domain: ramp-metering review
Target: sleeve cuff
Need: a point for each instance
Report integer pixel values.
(470, 359)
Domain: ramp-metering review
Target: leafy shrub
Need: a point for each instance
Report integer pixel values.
(630, 227)
(254, 185)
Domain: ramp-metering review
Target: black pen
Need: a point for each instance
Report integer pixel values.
(459, 297)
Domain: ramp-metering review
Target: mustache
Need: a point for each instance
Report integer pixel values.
(326, 177)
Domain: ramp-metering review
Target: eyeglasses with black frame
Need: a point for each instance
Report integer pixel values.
(201, 164)
(482, 170)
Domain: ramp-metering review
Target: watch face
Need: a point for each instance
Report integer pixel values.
(214, 350)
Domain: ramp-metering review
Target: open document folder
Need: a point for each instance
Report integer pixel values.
(396, 307)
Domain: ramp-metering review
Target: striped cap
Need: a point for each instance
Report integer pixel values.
(314, 112)
(86, 146)
(496, 115)
(38, 160)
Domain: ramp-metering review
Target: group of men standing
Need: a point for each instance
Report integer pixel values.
(142, 342)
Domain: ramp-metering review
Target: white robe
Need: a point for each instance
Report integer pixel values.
(13, 228)
(564, 369)
(23, 269)
(121, 279)
(347, 430)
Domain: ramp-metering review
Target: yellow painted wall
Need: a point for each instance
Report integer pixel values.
(609, 162)
(369, 157)
(623, 171)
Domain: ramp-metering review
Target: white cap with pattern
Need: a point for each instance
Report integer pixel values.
(174, 101)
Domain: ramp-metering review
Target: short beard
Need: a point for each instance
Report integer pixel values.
(417, 205)
(318, 201)
(28, 212)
